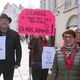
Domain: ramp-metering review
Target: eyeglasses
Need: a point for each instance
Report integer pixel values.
(65, 37)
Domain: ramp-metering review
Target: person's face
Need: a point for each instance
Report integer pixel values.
(36, 36)
(43, 37)
(68, 39)
(4, 23)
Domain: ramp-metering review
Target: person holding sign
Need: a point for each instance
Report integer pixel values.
(37, 46)
(44, 43)
(10, 48)
(30, 56)
(78, 36)
(66, 65)
(36, 57)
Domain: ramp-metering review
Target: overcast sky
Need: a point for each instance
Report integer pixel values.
(25, 3)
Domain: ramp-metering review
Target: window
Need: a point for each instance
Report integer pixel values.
(76, 1)
(67, 4)
(70, 3)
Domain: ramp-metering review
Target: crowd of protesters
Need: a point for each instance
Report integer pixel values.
(66, 64)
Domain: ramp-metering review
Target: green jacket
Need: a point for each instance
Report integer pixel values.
(59, 70)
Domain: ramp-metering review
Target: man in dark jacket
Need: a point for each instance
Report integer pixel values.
(12, 48)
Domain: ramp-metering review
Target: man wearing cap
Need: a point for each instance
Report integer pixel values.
(12, 48)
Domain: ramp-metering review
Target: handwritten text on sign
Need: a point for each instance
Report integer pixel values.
(33, 21)
(2, 47)
(48, 57)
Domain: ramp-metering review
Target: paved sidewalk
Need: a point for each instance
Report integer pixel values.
(22, 73)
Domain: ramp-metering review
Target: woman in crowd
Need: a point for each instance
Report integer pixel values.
(66, 64)
(37, 46)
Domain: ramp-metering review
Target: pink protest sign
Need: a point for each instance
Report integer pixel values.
(34, 21)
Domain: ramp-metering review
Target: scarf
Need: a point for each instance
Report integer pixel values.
(69, 54)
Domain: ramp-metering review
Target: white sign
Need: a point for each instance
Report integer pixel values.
(2, 47)
(48, 57)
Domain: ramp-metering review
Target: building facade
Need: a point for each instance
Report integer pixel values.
(47, 4)
(13, 12)
(66, 17)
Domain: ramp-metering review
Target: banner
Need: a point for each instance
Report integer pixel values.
(48, 57)
(34, 21)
